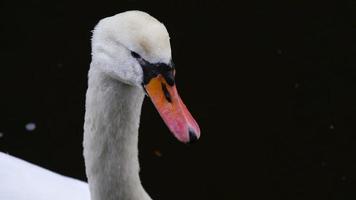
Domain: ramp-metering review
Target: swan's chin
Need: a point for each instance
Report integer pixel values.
(172, 109)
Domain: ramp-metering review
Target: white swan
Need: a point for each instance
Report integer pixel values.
(131, 55)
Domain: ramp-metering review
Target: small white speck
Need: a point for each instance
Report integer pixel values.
(30, 126)
(1, 134)
(331, 127)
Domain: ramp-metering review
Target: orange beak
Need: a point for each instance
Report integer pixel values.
(172, 109)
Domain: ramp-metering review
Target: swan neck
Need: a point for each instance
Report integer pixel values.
(111, 137)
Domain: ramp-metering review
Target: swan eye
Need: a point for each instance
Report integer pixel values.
(135, 55)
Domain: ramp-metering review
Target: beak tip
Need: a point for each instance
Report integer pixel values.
(193, 137)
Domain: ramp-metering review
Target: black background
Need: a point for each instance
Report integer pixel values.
(271, 83)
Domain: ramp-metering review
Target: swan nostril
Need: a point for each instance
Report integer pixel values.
(192, 137)
(166, 93)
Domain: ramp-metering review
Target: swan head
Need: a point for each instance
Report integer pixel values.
(134, 48)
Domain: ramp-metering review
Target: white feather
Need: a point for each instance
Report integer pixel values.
(20, 180)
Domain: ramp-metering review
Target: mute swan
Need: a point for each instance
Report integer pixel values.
(131, 56)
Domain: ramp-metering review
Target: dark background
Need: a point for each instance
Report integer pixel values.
(271, 83)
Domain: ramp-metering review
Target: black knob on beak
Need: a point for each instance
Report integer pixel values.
(169, 77)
